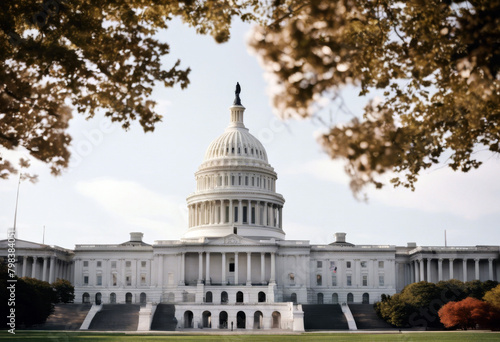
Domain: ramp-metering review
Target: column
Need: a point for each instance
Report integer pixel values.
(236, 269)
(415, 268)
(240, 211)
(122, 280)
(231, 212)
(476, 268)
(421, 266)
(273, 268)
(208, 279)
(221, 212)
(249, 268)
(429, 270)
(451, 268)
(374, 272)
(44, 271)
(264, 222)
(281, 217)
(224, 268)
(257, 213)
(25, 261)
(183, 267)
(262, 267)
(464, 262)
(200, 267)
(490, 269)
(33, 268)
(440, 269)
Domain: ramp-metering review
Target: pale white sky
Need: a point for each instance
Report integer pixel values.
(121, 182)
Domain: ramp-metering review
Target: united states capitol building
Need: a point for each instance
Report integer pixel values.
(234, 263)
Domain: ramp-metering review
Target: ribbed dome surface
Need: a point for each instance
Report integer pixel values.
(236, 142)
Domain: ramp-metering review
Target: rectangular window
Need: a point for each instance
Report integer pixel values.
(99, 280)
(363, 264)
(380, 264)
(239, 180)
(143, 264)
(348, 264)
(253, 215)
(381, 280)
(253, 181)
(349, 281)
(319, 280)
(128, 280)
(365, 280)
(114, 279)
(113, 264)
(231, 267)
(128, 264)
(99, 264)
(334, 280)
(143, 279)
(319, 264)
(235, 214)
(227, 214)
(85, 280)
(245, 215)
(219, 183)
(232, 180)
(85, 264)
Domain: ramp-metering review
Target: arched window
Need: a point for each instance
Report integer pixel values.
(128, 298)
(350, 298)
(223, 297)
(293, 298)
(112, 298)
(320, 298)
(207, 319)
(223, 320)
(262, 297)
(239, 297)
(257, 320)
(188, 319)
(85, 298)
(366, 298)
(98, 298)
(241, 319)
(208, 297)
(335, 298)
(143, 298)
(276, 320)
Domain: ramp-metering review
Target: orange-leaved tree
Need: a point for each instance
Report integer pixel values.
(466, 314)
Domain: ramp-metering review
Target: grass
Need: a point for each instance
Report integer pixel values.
(77, 336)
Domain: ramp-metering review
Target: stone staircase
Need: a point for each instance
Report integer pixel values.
(164, 318)
(66, 317)
(366, 317)
(324, 317)
(116, 317)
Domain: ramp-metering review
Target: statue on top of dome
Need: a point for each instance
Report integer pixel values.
(237, 100)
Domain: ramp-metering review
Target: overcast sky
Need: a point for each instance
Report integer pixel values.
(121, 182)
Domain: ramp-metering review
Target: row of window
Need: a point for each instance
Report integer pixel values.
(128, 264)
(114, 279)
(333, 264)
(210, 182)
(364, 280)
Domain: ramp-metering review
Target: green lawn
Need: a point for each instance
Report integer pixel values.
(119, 337)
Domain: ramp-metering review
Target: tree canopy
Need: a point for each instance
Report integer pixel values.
(437, 64)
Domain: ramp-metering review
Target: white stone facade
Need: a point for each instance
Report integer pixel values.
(234, 263)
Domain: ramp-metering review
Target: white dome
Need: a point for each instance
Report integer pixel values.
(236, 142)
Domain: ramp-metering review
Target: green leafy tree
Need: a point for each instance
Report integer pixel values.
(493, 297)
(65, 292)
(452, 290)
(34, 301)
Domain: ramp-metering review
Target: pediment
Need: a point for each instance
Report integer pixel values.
(233, 239)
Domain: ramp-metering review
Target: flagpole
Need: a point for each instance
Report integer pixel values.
(17, 200)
